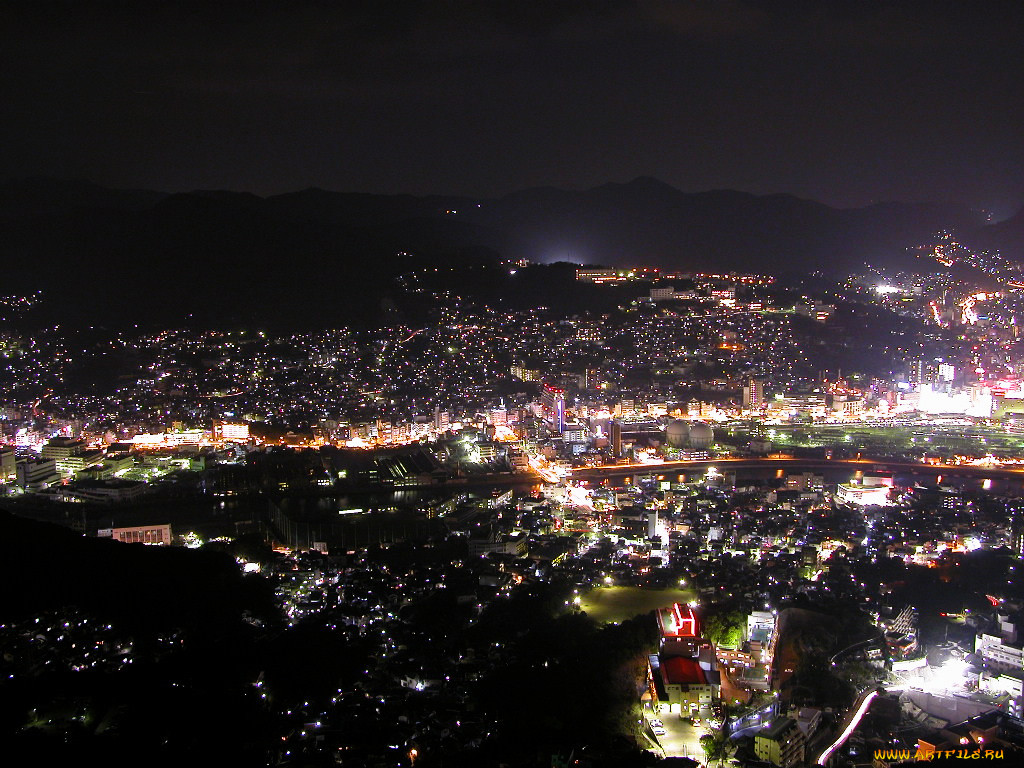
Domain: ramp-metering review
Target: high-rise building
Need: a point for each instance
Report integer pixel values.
(8, 462)
(62, 447)
(553, 400)
(615, 438)
(227, 431)
(442, 419)
(753, 394)
(1015, 508)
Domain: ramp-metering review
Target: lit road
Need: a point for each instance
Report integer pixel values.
(544, 471)
(933, 471)
(865, 703)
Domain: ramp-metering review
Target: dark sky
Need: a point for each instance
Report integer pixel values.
(842, 102)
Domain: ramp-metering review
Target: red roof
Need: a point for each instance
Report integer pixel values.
(680, 670)
(678, 621)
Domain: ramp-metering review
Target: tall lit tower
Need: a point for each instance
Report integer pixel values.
(753, 394)
(553, 400)
(1016, 509)
(615, 438)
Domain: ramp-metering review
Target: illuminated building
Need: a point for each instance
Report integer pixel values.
(781, 743)
(192, 437)
(141, 534)
(901, 635)
(37, 474)
(442, 420)
(61, 447)
(598, 275)
(1000, 652)
(1016, 510)
(683, 676)
(72, 465)
(226, 431)
(525, 374)
(64, 451)
(615, 438)
(113, 491)
(753, 395)
(553, 400)
(617, 275)
(575, 433)
(871, 491)
(8, 465)
(724, 295)
(663, 294)
(816, 310)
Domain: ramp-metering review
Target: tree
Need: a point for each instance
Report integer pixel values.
(710, 746)
(723, 625)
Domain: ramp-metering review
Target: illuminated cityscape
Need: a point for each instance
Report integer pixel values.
(692, 446)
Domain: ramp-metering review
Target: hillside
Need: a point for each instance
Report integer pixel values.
(236, 257)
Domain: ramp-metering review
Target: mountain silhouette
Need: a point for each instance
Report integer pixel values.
(241, 257)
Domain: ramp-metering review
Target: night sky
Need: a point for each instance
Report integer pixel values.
(842, 102)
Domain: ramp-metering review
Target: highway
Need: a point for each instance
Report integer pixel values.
(926, 472)
(852, 721)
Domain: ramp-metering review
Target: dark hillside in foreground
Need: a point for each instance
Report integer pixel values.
(139, 588)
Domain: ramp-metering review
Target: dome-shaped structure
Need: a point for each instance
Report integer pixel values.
(677, 434)
(701, 435)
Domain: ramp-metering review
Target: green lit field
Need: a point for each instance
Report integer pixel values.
(605, 604)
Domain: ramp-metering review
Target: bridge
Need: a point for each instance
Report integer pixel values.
(1008, 479)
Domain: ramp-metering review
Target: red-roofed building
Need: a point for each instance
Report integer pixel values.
(678, 621)
(683, 677)
(679, 670)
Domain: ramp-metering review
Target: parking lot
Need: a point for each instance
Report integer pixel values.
(681, 737)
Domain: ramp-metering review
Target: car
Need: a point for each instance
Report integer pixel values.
(657, 723)
(658, 730)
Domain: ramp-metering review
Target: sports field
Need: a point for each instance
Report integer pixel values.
(606, 604)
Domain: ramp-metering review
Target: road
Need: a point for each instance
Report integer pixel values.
(926, 472)
(852, 720)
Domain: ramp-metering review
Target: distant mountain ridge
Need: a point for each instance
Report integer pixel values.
(241, 251)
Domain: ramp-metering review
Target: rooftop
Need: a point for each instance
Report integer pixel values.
(777, 728)
(679, 670)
